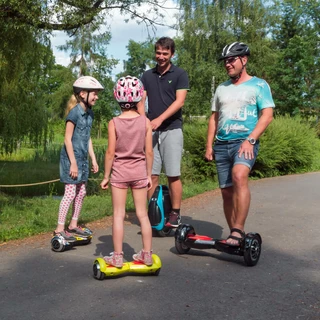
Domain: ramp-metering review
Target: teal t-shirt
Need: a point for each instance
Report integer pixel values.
(239, 107)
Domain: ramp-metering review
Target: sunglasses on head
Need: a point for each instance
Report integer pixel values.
(230, 60)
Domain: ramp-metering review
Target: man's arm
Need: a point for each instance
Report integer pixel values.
(173, 108)
(262, 124)
(212, 129)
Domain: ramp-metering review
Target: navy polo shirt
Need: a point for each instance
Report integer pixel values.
(161, 92)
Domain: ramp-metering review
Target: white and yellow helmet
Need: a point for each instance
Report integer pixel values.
(87, 83)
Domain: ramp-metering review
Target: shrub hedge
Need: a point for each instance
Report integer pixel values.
(289, 145)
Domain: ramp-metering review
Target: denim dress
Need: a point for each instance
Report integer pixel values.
(82, 121)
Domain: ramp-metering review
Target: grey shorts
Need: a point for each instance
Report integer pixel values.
(167, 152)
(226, 157)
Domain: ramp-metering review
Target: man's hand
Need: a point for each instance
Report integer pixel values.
(156, 123)
(246, 148)
(209, 156)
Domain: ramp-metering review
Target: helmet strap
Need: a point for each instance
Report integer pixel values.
(87, 103)
(128, 105)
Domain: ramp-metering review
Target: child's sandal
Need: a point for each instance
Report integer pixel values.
(115, 259)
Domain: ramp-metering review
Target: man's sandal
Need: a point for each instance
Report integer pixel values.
(239, 239)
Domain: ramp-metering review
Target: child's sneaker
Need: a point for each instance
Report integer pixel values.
(144, 257)
(174, 220)
(115, 259)
(85, 232)
(65, 235)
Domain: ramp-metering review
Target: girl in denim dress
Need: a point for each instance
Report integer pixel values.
(74, 163)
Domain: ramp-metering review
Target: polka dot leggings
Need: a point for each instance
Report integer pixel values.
(73, 193)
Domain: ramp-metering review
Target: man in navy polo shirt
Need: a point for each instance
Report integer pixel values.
(166, 87)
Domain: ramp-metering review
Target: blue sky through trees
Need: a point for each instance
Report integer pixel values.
(121, 32)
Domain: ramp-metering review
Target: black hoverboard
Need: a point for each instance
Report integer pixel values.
(250, 247)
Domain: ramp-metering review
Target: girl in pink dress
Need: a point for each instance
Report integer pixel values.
(128, 160)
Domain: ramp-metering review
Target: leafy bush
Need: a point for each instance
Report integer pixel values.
(194, 166)
(289, 145)
(317, 126)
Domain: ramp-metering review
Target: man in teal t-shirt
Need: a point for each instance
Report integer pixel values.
(242, 109)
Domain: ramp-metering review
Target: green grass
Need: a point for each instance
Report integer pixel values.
(39, 167)
(23, 217)
(23, 154)
(288, 146)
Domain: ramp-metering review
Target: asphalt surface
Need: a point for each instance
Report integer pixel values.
(37, 283)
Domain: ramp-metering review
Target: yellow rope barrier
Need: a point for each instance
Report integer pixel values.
(27, 185)
(33, 184)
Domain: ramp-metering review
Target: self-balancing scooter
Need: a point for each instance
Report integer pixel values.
(249, 247)
(59, 244)
(102, 270)
(158, 211)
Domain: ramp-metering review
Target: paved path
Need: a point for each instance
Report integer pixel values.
(36, 283)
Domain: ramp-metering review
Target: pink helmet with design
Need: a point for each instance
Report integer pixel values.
(128, 90)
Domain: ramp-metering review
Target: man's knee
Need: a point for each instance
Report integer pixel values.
(227, 193)
(155, 179)
(240, 175)
(173, 179)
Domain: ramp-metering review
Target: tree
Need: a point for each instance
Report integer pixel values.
(26, 57)
(25, 62)
(296, 74)
(141, 57)
(72, 14)
(206, 27)
(88, 49)
(59, 90)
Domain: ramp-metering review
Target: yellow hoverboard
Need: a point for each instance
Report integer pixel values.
(102, 270)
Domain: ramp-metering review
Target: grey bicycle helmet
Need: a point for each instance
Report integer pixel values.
(87, 83)
(235, 49)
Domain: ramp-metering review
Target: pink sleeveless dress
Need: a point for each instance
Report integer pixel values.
(129, 163)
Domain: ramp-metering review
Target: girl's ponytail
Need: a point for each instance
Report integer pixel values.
(73, 101)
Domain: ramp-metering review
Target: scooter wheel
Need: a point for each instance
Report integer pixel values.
(87, 241)
(181, 247)
(97, 273)
(157, 272)
(165, 232)
(57, 245)
(252, 249)
(181, 236)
